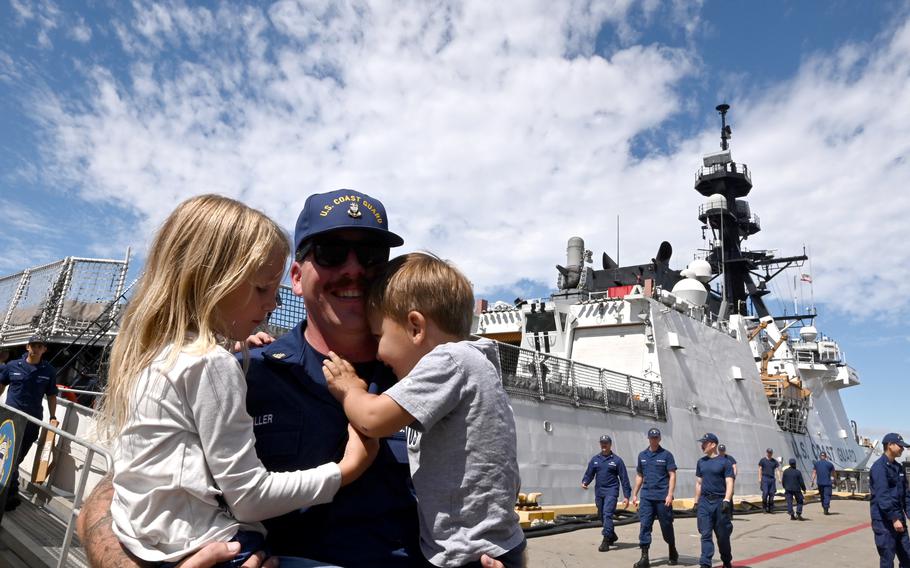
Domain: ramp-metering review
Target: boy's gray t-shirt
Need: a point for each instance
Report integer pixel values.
(461, 450)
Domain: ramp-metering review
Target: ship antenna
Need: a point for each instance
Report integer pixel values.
(725, 131)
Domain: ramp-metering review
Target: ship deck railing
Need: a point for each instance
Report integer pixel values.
(545, 377)
(60, 300)
(61, 550)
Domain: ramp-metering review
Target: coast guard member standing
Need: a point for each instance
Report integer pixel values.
(609, 472)
(792, 480)
(890, 504)
(655, 477)
(29, 379)
(714, 500)
(821, 474)
(767, 476)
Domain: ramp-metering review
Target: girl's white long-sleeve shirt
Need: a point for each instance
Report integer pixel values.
(186, 471)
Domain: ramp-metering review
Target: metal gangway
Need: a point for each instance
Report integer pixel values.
(41, 531)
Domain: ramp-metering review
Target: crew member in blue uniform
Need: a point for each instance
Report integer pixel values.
(714, 502)
(340, 237)
(29, 379)
(794, 486)
(655, 477)
(767, 477)
(890, 505)
(821, 475)
(609, 473)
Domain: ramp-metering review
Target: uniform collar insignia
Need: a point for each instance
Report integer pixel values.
(278, 355)
(354, 210)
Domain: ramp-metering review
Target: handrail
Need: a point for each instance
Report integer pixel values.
(77, 391)
(83, 475)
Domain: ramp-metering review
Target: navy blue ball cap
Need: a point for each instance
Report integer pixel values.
(654, 433)
(606, 439)
(343, 209)
(722, 448)
(792, 461)
(770, 451)
(894, 438)
(36, 339)
(709, 437)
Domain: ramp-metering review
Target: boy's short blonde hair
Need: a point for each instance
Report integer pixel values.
(425, 283)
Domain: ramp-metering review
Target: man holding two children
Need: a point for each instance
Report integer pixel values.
(374, 521)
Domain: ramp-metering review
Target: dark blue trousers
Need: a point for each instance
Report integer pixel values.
(606, 506)
(713, 521)
(798, 496)
(889, 543)
(647, 510)
(824, 492)
(768, 488)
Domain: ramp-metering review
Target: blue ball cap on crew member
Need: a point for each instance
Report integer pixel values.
(654, 433)
(770, 451)
(343, 209)
(606, 439)
(894, 438)
(36, 339)
(792, 461)
(721, 448)
(709, 437)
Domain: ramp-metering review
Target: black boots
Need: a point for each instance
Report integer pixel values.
(826, 511)
(792, 517)
(604, 545)
(799, 516)
(643, 562)
(674, 556)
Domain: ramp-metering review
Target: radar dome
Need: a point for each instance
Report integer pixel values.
(808, 333)
(691, 290)
(715, 202)
(700, 270)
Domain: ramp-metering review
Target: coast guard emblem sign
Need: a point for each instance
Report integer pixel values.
(11, 427)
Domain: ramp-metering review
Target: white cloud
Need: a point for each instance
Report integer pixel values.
(80, 31)
(44, 13)
(493, 134)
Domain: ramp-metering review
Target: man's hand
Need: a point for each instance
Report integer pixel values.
(216, 552)
(340, 376)
(898, 525)
(625, 503)
(584, 486)
(260, 339)
(726, 508)
(669, 500)
(490, 562)
(635, 500)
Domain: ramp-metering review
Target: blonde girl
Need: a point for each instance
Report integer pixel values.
(185, 468)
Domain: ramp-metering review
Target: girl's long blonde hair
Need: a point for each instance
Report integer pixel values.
(204, 250)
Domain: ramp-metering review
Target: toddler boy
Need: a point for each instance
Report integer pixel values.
(460, 428)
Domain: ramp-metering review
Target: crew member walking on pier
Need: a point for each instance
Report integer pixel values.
(29, 379)
(656, 479)
(890, 505)
(794, 486)
(609, 472)
(821, 474)
(714, 502)
(767, 478)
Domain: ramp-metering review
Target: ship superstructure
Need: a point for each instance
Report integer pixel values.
(696, 350)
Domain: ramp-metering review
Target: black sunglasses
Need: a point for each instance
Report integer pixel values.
(331, 254)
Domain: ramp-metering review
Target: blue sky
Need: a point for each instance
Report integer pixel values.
(493, 134)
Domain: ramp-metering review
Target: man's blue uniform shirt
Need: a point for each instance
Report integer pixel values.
(28, 385)
(890, 496)
(823, 471)
(767, 466)
(299, 425)
(609, 472)
(792, 480)
(655, 468)
(713, 473)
